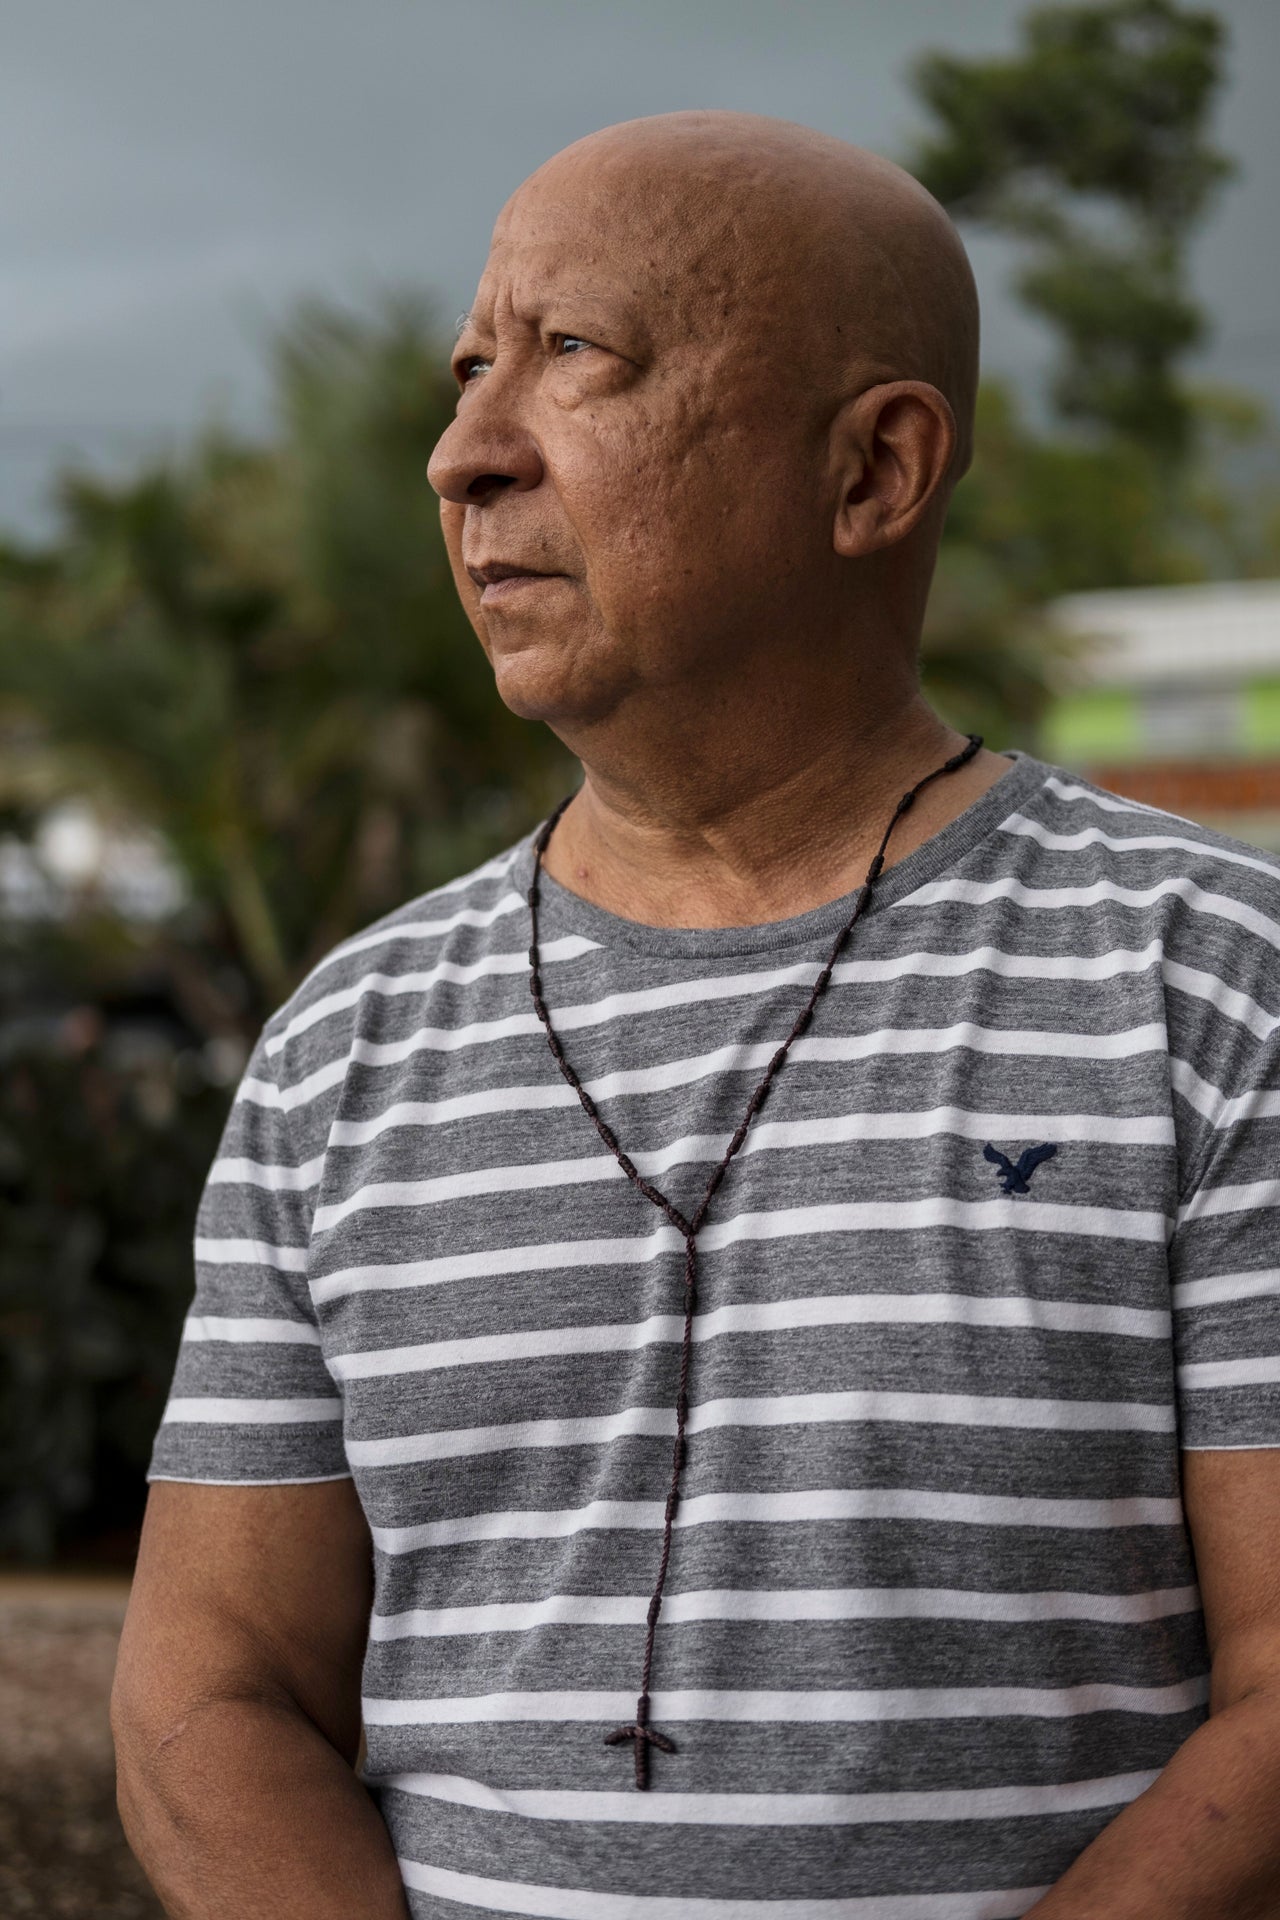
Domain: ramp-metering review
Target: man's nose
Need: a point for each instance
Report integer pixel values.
(483, 452)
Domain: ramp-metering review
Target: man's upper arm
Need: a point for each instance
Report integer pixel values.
(1232, 1501)
(247, 1593)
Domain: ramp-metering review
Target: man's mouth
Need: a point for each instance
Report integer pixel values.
(501, 579)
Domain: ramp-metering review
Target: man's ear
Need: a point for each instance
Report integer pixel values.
(892, 448)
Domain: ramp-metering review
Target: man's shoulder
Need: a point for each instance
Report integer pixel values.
(437, 935)
(1208, 899)
(1117, 837)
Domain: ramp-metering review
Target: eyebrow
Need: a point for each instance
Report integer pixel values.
(641, 337)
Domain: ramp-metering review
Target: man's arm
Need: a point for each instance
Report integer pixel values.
(236, 1707)
(1203, 1842)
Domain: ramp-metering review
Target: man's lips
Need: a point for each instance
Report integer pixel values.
(500, 579)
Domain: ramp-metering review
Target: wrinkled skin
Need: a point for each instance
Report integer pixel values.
(715, 389)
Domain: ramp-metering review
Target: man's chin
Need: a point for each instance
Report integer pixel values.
(540, 678)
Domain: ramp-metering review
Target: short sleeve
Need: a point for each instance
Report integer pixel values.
(252, 1400)
(1225, 1266)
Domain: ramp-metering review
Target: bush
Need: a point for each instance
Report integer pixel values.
(105, 1137)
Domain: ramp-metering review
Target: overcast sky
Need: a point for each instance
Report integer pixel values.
(176, 171)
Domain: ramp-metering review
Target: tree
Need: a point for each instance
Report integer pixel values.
(1088, 146)
(259, 654)
(100, 1171)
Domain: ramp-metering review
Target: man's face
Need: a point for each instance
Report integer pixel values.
(632, 489)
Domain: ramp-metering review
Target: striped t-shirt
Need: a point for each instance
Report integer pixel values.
(931, 1616)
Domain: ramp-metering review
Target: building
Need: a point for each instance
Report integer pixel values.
(1177, 701)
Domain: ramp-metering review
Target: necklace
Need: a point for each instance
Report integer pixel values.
(639, 1732)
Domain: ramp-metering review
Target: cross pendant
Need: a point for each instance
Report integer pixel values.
(644, 1737)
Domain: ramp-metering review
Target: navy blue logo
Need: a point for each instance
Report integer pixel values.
(1014, 1175)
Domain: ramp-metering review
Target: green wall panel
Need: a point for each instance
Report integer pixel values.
(1260, 717)
(1103, 724)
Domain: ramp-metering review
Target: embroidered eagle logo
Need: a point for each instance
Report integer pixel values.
(1014, 1175)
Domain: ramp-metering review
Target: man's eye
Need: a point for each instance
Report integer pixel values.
(471, 366)
(572, 342)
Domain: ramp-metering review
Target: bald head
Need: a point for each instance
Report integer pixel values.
(760, 220)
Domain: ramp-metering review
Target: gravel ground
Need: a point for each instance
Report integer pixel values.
(62, 1853)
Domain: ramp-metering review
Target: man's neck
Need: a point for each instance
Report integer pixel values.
(692, 846)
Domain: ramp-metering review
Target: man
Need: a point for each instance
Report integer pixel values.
(817, 1418)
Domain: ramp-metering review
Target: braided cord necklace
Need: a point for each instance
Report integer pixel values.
(638, 1731)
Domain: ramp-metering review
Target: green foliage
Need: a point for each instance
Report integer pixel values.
(259, 653)
(101, 1163)
(1087, 148)
(1088, 145)
(1043, 513)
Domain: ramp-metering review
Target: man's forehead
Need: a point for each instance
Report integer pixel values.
(574, 192)
(598, 229)
(529, 283)
(580, 253)
(608, 246)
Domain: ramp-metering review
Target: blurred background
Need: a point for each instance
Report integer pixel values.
(240, 713)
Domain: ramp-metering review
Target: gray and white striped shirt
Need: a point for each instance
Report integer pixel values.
(932, 1617)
